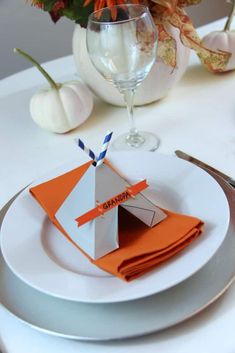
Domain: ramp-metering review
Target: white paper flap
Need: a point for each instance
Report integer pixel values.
(100, 236)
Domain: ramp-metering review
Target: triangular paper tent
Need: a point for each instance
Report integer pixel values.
(103, 190)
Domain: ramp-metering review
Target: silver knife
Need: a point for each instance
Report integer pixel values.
(203, 165)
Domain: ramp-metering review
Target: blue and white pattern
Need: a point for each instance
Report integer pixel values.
(87, 150)
(104, 148)
(97, 161)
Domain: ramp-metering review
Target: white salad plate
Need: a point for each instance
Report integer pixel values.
(83, 321)
(42, 257)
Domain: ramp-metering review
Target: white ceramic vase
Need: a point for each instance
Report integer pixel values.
(156, 85)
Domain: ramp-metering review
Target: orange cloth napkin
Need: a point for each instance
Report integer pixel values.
(140, 248)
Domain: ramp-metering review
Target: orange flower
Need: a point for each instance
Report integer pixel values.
(100, 4)
(36, 3)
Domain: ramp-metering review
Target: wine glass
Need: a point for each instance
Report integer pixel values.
(122, 45)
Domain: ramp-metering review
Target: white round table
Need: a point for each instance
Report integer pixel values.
(198, 117)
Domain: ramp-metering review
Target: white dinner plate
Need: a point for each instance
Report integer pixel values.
(122, 320)
(42, 257)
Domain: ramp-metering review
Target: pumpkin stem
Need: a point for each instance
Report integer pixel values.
(230, 17)
(52, 83)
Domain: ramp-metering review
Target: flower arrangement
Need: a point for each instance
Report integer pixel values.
(164, 12)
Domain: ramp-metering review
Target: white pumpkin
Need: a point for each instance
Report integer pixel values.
(63, 109)
(222, 40)
(156, 85)
(60, 107)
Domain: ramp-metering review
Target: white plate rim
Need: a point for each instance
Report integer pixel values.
(222, 287)
(111, 280)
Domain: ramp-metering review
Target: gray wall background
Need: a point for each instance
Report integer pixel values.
(32, 30)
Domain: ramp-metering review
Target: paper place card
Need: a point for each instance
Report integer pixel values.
(115, 201)
(99, 236)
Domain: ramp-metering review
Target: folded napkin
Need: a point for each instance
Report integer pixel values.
(140, 248)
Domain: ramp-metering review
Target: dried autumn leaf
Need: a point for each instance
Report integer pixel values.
(166, 5)
(184, 3)
(166, 45)
(214, 61)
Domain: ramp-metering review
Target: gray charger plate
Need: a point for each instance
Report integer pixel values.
(122, 320)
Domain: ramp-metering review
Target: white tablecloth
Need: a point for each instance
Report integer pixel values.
(198, 116)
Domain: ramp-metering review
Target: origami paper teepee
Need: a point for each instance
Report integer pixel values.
(89, 214)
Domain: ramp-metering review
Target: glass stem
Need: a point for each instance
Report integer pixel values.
(133, 139)
(129, 100)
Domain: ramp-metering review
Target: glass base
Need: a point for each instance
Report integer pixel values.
(143, 141)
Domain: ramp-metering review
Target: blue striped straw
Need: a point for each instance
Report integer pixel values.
(104, 148)
(87, 150)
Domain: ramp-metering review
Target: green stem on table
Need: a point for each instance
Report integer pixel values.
(230, 17)
(52, 83)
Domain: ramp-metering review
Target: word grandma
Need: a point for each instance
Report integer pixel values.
(116, 200)
(102, 208)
